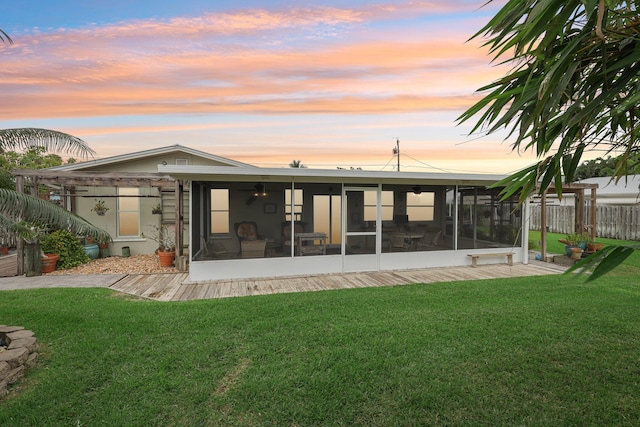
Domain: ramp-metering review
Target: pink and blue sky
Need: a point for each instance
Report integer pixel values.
(330, 83)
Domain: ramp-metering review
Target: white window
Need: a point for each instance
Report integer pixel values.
(327, 211)
(420, 207)
(289, 205)
(128, 212)
(182, 162)
(370, 205)
(219, 210)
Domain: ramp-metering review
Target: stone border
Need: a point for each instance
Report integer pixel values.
(19, 354)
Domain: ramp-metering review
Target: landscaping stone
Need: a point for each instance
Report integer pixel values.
(19, 353)
(18, 335)
(7, 329)
(15, 357)
(29, 343)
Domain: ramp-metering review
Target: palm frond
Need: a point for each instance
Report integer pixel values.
(38, 211)
(51, 140)
(4, 37)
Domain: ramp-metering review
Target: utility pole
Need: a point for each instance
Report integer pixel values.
(396, 151)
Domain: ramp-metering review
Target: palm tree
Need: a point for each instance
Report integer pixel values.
(296, 164)
(21, 213)
(18, 210)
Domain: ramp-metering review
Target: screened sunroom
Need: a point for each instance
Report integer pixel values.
(258, 222)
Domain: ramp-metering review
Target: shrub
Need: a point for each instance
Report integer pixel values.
(67, 246)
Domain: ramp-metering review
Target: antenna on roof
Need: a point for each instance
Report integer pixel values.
(396, 151)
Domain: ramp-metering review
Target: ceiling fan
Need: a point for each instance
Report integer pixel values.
(258, 190)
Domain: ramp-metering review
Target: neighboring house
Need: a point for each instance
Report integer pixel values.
(344, 220)
(130, 187)
(625, 192)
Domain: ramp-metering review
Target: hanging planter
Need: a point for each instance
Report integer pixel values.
(100, 208)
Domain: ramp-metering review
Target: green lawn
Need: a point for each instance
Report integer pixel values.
(549, 350)
(555, 247)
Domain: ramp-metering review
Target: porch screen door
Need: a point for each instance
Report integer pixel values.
(361, 224)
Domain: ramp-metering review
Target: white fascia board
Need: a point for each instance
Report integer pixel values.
(221, 173)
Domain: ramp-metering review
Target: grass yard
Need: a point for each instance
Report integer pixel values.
(549, 350)
(631, 265)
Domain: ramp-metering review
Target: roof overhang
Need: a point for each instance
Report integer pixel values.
(308, 175)
(168, 150)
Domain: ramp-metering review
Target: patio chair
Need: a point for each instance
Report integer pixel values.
(252, 245)
(286, 235)
(430, 240)
(400, 242)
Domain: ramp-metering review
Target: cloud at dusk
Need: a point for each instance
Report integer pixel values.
(350, 73)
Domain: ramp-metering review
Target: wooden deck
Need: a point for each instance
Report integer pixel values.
(8, 265)
(173, 287)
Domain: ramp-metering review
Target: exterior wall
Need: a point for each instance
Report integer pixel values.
(109, 222)
(150, 196)
(203, 271)
(150, 164)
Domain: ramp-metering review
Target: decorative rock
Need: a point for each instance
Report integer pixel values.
(8, 329)
(18, 334)
(15, 357)
(19, 353)
(29, 343)
(14, 375)
(31, 360)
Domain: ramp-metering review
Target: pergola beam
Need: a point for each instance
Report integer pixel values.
(105, 179)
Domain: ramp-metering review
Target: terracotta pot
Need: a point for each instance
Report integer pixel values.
(4, 250)
(166, 258)
(576, 253)
(592, 247)
(49, 262)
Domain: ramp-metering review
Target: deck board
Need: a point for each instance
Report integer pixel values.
(254, 287)
(175, 286)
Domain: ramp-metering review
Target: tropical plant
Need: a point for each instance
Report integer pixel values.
(68, 247)
(296, 164)
(573, 88)
(15, 206)
(5, 37)
(165, 236)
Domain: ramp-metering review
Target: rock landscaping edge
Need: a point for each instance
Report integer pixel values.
(20, 353)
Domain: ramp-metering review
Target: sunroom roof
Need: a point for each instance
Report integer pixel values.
(222, 173)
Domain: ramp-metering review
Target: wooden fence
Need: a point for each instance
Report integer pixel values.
(612, 222)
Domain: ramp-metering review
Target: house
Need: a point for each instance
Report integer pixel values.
(622, 193)
(130, 187)
(241, 221)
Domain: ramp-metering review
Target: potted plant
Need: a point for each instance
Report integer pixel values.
(575, 244)
(593, 246)
(103, 245)
(100, 208)
(165, 236)
(157, 209)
